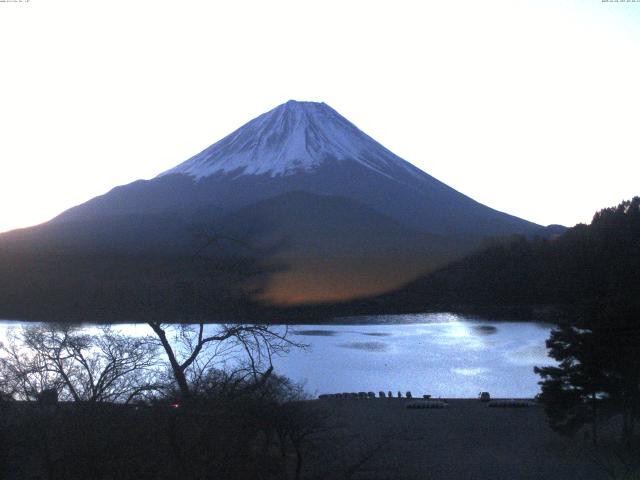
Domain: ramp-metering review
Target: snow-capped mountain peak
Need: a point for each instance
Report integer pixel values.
(293, 137)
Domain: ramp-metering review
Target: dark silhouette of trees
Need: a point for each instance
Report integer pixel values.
(574, 274)
(599, 369)
(246, 349)
(598, 373)
(616, 328)
(236, 419)
(107, 366)
(573, 392)
(103, 367)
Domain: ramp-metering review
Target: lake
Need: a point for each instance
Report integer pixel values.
(440, 354)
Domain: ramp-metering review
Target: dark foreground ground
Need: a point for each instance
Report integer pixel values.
(466, 440)
(322, 439)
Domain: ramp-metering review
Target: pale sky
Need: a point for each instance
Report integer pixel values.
(530, 107)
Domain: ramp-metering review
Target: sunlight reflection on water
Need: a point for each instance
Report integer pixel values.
(440, 354)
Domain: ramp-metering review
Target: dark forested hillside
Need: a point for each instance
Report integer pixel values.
(113, 287)
(588, 265)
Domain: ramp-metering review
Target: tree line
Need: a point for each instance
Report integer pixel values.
(572, 273)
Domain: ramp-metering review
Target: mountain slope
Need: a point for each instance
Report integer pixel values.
(348, 217)
(305, 146)
(346, 248)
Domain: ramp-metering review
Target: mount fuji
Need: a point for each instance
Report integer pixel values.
(294, 137)
(345, 216)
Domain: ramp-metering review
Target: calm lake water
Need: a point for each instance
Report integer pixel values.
(440, 354)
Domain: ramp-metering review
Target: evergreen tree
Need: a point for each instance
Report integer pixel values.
(575, 391)
(599, 357)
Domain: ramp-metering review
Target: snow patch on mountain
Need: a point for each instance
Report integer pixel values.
(293, 137)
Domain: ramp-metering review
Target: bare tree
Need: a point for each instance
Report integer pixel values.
(23, 374)
(244, 351)
(79, 366)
